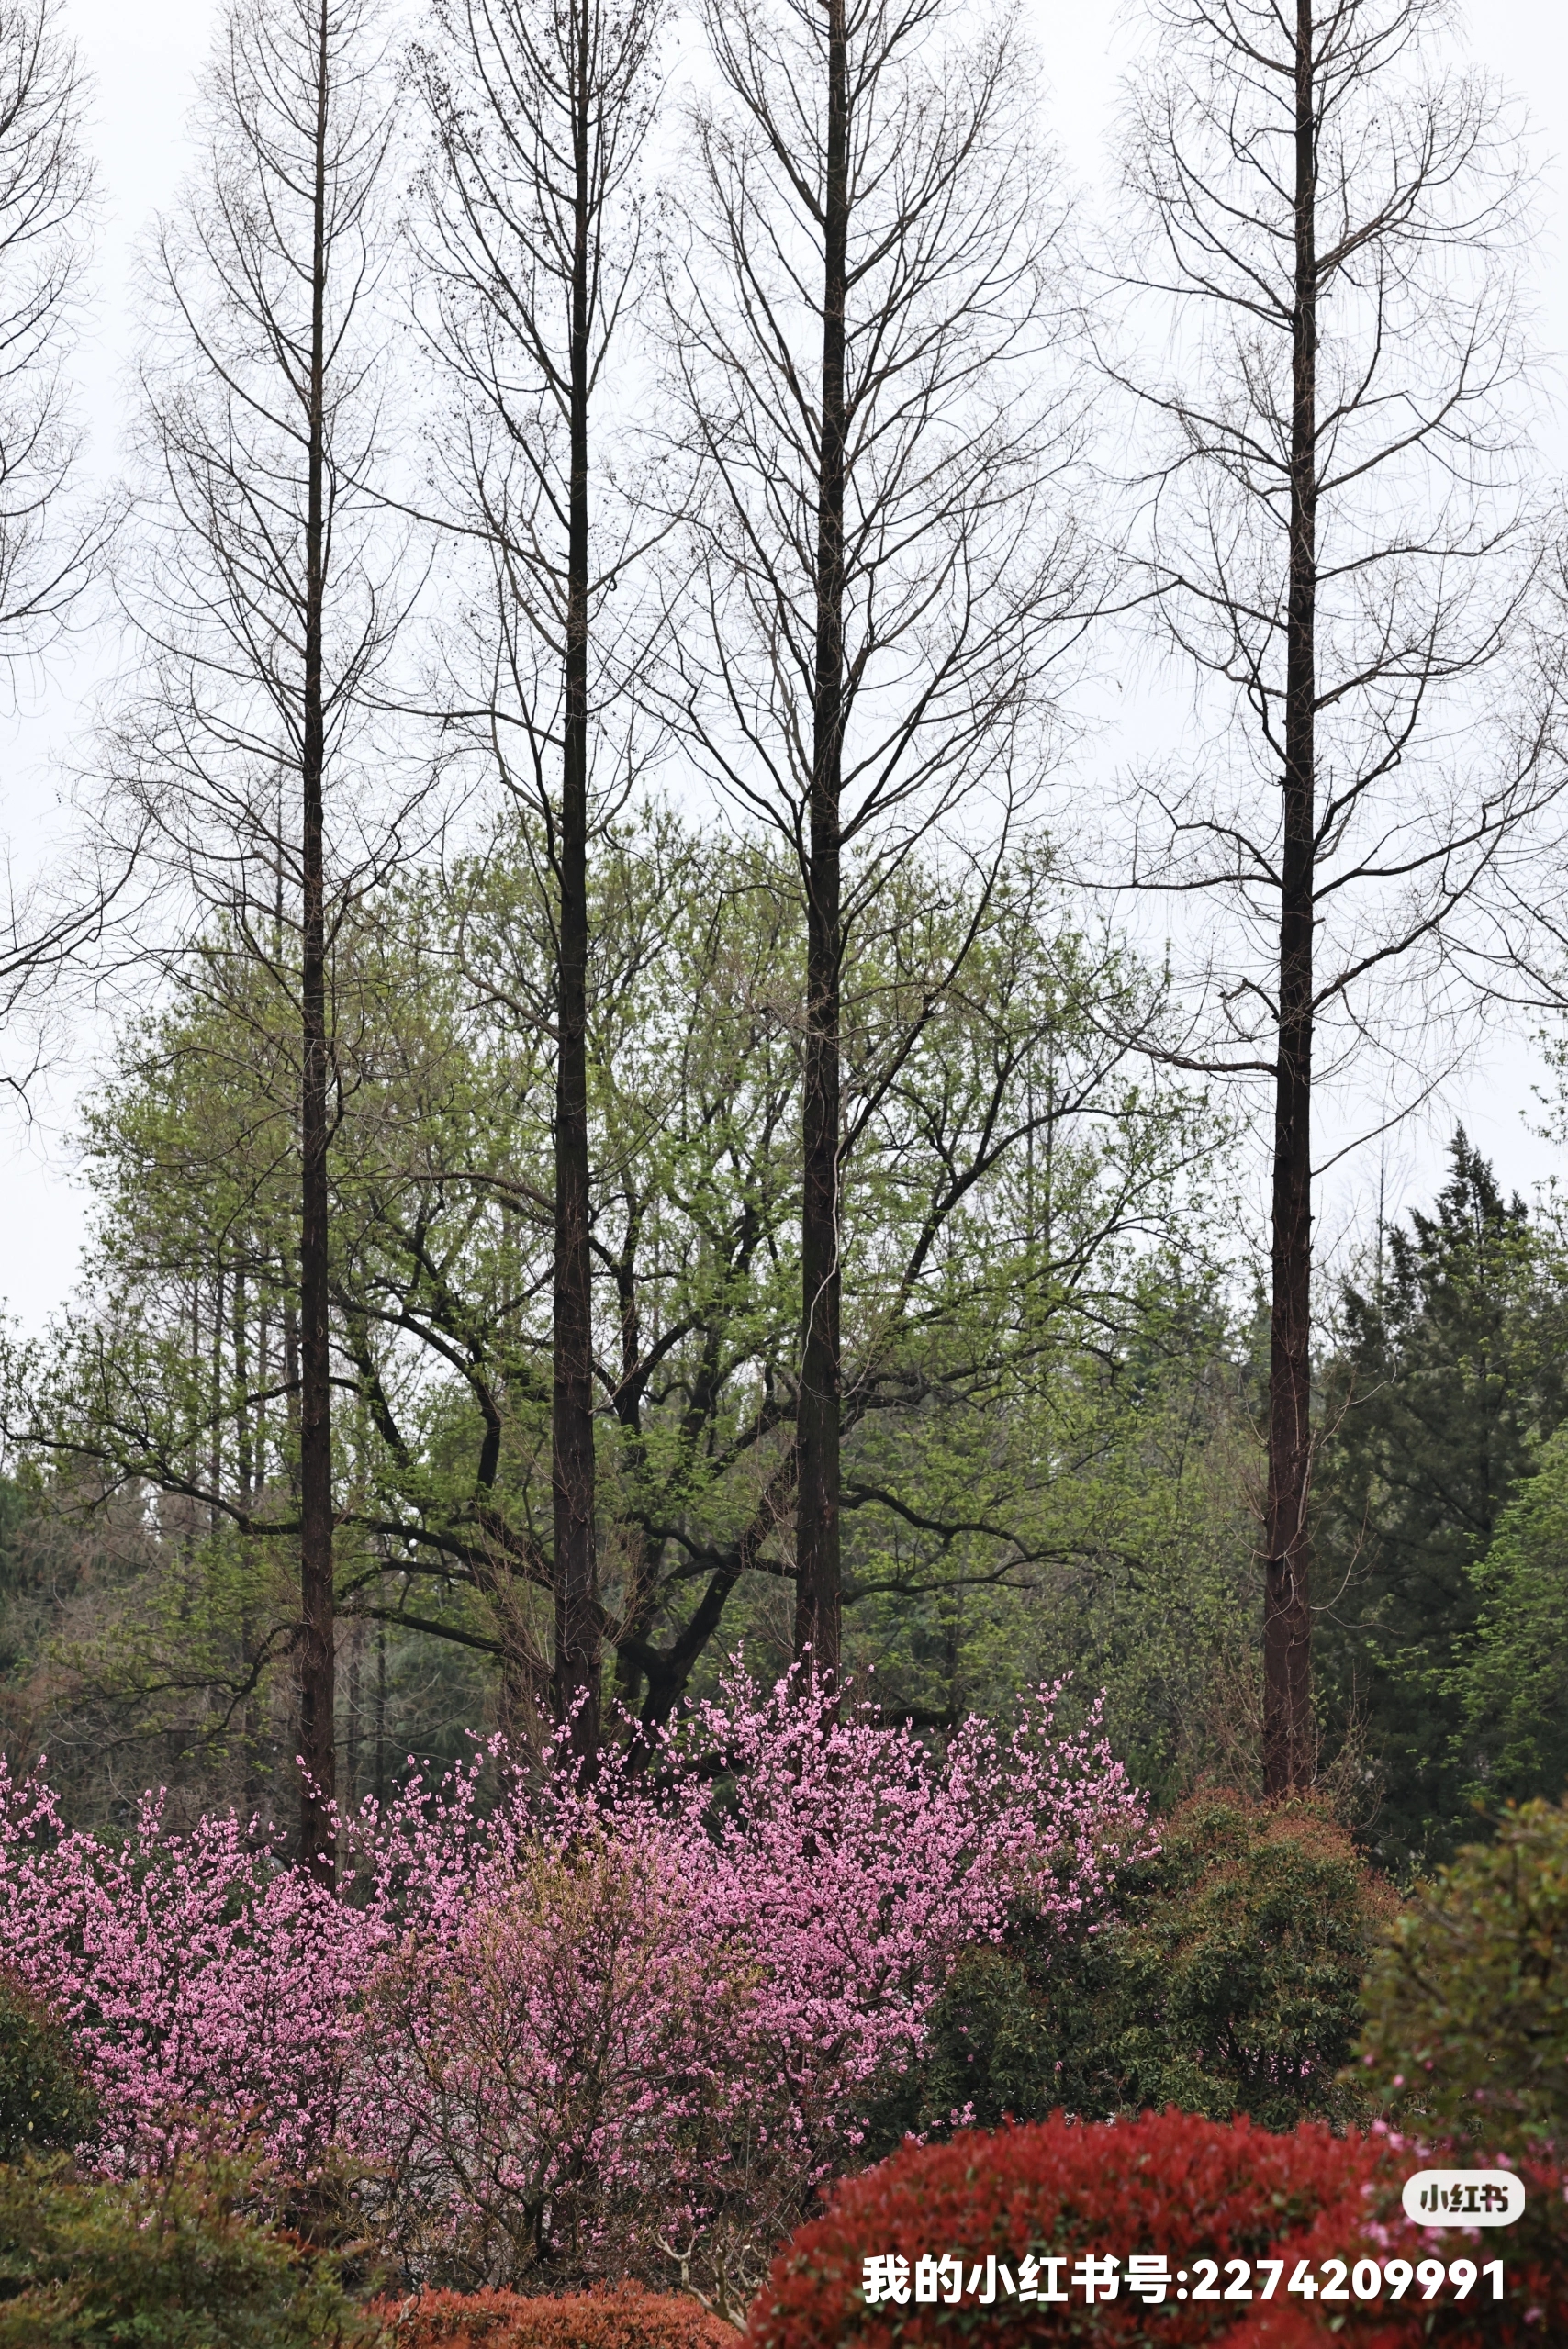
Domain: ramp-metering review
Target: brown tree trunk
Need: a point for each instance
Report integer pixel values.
(817, 1425)
(244, 1454)
(577, 1623)
(1288, 1760)
(316, 1691)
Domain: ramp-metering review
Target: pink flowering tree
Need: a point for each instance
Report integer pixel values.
(780, 1947)
(207, 1987)
(569, 2030)
(554, 2086)
(856, 1864)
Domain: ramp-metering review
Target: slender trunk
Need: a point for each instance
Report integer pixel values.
(381, 1716)
(357, 1644)
(578, 1625)
(291, 1383)
(252, 1473)
(1287, 1619)
(215, 1458)
(818, 1412)
(244, 1453)
(316, 1658)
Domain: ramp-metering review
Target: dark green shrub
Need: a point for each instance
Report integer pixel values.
(1467, 2000)
(178, 2262)
(44, 2102)
(1229, 1982)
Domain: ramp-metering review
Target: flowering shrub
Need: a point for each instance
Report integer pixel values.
(572, 2024)
(626, 2318)
(856, 1868)
(563, 2073)
(650, 2020)
(193, 1974)
(1167, 2182)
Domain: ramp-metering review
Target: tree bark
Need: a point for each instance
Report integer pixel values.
(817, 1560)
(1288, 1760)
(316, 1667)
(577, 1622)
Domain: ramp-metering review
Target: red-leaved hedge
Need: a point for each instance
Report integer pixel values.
(1190, 2188)
(1534, 2252)
(618, 2317)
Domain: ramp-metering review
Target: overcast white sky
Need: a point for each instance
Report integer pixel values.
(144, 58)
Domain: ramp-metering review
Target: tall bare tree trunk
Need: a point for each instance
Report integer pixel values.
(269, 603)
(577, 1629)
(317, 1662)
(542, 109)
(1287, 1622)
(877, 605)
(1336, 544)
(817, 1560)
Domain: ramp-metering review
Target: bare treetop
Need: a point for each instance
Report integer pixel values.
(46, 185)
(963, 566)
(265, 340)
(1335, 536)
(1424, 553)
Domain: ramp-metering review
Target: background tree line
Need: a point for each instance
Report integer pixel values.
(638, 1131)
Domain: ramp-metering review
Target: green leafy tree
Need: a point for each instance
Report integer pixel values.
(1121, 1454)
(1511, 1682)
(1467, 2001)
(1024, 1206)
(1228, 1982)
(1449, 1377)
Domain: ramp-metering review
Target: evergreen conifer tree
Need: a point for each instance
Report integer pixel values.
(1449, 1377)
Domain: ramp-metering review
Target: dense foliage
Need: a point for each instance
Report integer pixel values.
(45, 2104)
(1510, 1683)
(1448, 1378)
(1226, 1980)
(1167, 2182)
(1171, 2188)
(1467, 2003)
(622, 2318)
(181, 2260)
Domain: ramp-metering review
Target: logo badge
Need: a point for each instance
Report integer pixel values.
(1463, 2198)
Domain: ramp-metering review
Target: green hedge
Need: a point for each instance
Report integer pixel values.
(44, 2103)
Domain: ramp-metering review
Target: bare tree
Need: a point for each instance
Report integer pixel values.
(52, 541)
(862, 323)
(1335, 542)
(541, 108)
(267, 612)
(47, 550)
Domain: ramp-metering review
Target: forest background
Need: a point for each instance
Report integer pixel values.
(1056, 1377)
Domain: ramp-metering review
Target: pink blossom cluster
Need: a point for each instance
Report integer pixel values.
(561, 2012)
(650, 2006)
(569, 2071)
(855, 1864)
(200, 1980)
